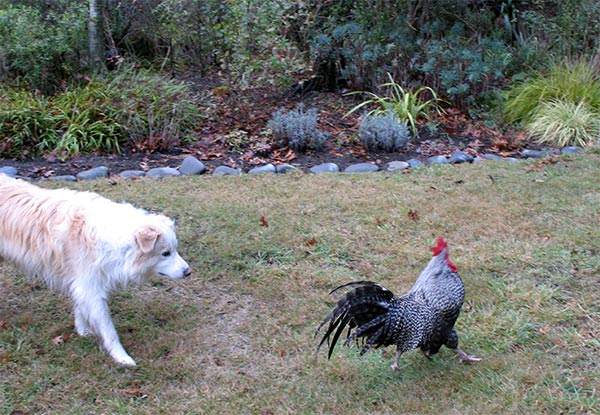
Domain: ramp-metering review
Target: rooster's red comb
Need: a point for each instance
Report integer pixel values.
(441, 245)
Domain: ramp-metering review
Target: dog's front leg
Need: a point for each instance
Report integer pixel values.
(93, 315)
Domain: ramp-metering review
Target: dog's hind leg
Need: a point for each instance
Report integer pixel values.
(93, 316)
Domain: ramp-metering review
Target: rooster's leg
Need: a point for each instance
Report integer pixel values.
(466, 357)
(426, 354)
(396, 360)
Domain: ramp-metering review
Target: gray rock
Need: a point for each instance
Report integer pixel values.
(267, 168)
(191, 166)
(571, 149)
(9, 170)
(362, 168)
(66, 178)
(325, 168)
(436, 160)
(225, 171)
(511, 159)
(415, 163)
(284, 168)
(159, 172)
(493, 157)
(95, 173)
(396, 166)
(128, 174)
(460, 157)
(533, 153)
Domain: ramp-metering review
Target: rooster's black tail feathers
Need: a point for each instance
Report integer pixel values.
(364, 309)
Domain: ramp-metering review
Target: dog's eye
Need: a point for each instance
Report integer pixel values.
(166, 253)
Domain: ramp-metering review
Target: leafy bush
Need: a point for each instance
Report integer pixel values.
(144, 110)
(25, 123)
(298, 129)
(561, 123)
(42, 48)
(407, 106)
(464, 72)
(383, 132)
(572, 82)
(155, 112)
(86, 122)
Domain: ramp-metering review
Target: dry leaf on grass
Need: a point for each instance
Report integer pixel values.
(140, 393)
(63, 338)
(413, 214)
(263, 221)
(311, 242)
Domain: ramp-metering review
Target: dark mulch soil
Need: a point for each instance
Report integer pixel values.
(233, 134)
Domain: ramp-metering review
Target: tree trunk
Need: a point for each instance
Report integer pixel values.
(96, 36)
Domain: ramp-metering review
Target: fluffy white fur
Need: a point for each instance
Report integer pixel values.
(88, 246)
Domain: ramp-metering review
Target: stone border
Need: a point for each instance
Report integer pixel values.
(191, 166)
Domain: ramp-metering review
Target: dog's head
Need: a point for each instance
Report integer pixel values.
(157, 244)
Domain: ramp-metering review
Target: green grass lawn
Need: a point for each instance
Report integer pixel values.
(237, 337)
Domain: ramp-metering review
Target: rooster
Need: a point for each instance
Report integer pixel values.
(424, 317)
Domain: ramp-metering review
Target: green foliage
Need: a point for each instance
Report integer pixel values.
(561, 123)
(155, 112)
(140, 109)
(39, 50)
(383, 132)
(561, 29)
(573, 82)
(25, 123)
(463, 71)
(86, 122)
(406, 105)
(298, 129)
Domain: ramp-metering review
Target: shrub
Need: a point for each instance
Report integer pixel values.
(86, 122)
(562, 123)
(407, 106)
(155, 112)
(42, 45)
(298, 129)
(145, 110)
(25, 123)
(464, 72)
(568, 82)
(383, 132)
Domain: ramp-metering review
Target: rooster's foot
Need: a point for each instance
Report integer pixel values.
(466, 357)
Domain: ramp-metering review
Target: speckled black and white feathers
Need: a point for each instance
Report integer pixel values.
(422, 318)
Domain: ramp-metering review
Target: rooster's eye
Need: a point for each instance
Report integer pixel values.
(166, 253)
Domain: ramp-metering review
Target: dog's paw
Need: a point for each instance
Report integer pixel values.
(124, 360)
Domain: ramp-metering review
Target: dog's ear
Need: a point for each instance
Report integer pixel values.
(146, 238)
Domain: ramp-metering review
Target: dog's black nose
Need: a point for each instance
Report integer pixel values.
(187, 272)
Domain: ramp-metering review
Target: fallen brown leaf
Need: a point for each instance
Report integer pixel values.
(413, 214)
(136, 392)
(263, 221)
(63, 338)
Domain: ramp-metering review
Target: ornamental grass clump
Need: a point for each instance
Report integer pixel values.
(572, 82)
(562, 123)
(298, 129)
(383, 132)
(407, 106)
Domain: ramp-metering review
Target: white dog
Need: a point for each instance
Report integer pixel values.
(88, 246)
